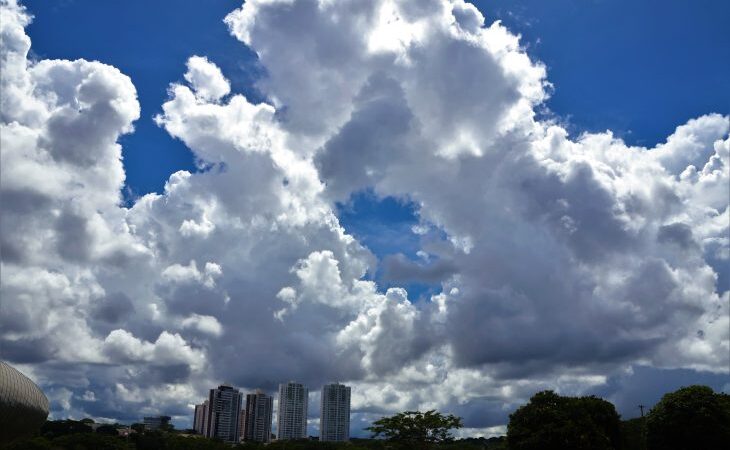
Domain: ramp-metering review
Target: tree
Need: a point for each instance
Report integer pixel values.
(150, 440)
(89, 441)
(414, 429)
(108, 429)
(35, 443)
(55, 428)
(553, 422)
(633, 434)
(692, 417)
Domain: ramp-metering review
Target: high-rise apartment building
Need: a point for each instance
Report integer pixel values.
(257, 422)
(201, 417)
(224, 410)
(334, 417)
(242, 424)
(292, 412)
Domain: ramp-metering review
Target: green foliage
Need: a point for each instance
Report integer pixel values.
(150, 440)
(305, 444)
(414, 429)
(693, 417)
(90, 441)
(175, 442)
(109, 430)
(55, 428)
(493, 443)
(379, 444)
(633, 434)
(162, 440)
(36, 443)
(552, 422)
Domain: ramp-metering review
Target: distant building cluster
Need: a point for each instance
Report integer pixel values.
(222, 415)
(156, 422)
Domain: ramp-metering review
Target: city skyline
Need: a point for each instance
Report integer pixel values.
(443, 204)
(292, 415)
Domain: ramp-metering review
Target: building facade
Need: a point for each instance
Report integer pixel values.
(201, 417)
(242, 424)
(156, 422)
(257, 421)
(334, 417)
(291, 418)
(23, 406)
(224, 410)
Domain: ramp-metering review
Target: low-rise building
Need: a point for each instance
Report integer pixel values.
(156, 422)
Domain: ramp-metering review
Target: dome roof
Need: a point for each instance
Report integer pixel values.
(23, 406)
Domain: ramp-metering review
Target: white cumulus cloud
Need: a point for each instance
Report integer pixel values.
(563, 261)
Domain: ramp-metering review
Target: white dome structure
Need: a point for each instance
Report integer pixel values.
(23, 406)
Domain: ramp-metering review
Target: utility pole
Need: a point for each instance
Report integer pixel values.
(641, 407)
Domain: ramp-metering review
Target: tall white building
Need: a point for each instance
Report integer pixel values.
(224, 409)
(257, 422)
(291, 418)
(334, 417)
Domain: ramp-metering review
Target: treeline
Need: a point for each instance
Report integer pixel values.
(170, 440)
(693, 417)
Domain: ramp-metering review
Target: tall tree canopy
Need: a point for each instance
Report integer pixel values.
(415, 429)
(550, 421)
(692, 417)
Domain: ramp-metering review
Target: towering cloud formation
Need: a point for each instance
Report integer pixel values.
(562, 261)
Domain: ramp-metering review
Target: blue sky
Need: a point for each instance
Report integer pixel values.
(531, 256)
(637, 68)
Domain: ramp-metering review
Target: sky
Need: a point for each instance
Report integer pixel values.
(444, 205)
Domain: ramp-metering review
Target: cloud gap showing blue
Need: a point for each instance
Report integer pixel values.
(385, 226)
